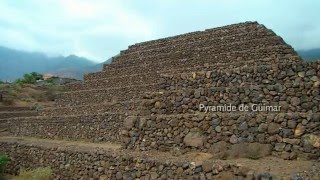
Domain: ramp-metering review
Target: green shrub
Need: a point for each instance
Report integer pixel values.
(3, 161)
(50, 81)
(27, 99)
(41, 173)
(30, 78)
(37, 107)
(18, 81)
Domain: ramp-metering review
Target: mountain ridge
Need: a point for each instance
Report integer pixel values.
(14, 63)
(310, 54)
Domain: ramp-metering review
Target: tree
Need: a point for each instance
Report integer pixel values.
(29, 78)
(37, 76)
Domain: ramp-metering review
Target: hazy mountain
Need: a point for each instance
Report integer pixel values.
(15, 63)
(311, 54)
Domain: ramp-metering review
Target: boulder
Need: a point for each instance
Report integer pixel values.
(249, 150)
(295, 101)
(311, 139)
(243, 126)
(273, 128)
(301, 74)
(194, 139)
(263, 127)
(279, 146)
(207, 166)
(129, 122)
(291, 141)
(218, 129)
(299, 130)
(197, 93)
(233, 139)
(307, 105)
(158, 105)
(292, 124)
(208, 74)
(118, 175)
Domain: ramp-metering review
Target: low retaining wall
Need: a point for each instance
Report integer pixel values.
(94, 127)
(288, 133)
(103, 164)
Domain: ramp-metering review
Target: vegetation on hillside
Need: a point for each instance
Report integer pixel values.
(30, 78)
(3, 161)
(41, 173)
(25, 91)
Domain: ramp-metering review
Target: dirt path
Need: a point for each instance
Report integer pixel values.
(62, 144)
(280, 167)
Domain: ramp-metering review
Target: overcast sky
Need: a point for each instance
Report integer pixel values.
(99, 29)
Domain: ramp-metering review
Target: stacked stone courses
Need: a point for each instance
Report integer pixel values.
(148, 100)
(11, 112)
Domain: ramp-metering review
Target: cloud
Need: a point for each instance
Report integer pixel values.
(64, 26)
(99, 29)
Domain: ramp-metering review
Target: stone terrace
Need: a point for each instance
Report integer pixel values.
(147, 101)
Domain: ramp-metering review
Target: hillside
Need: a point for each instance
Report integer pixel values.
(29, 95)
(310, 54)
(15, 63)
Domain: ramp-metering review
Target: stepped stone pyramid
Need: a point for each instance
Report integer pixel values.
(141, 113)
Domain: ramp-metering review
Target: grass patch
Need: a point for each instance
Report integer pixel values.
(4, 159)
(41, 173)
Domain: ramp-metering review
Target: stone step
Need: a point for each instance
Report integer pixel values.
(201, 60)
(20, 113)
(180, 72)
(280, 73)
(104, 95)
(116, 81)
(104, 127)
(12, 108)
(208, 57)
(301, 98)
(179, 39)
(213, 42)
(263, 56)
(77, 160)
(285, 132)
(117, 107)
(140, 77)
(108, 79)
(204, 51)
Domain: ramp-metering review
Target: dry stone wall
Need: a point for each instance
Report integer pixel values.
(203, 56)
(175, 120)
(94, 127)
(227, 45)
(116, 107)
(104, 164)
(103, 95)
(221, 31)
(17, 114)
